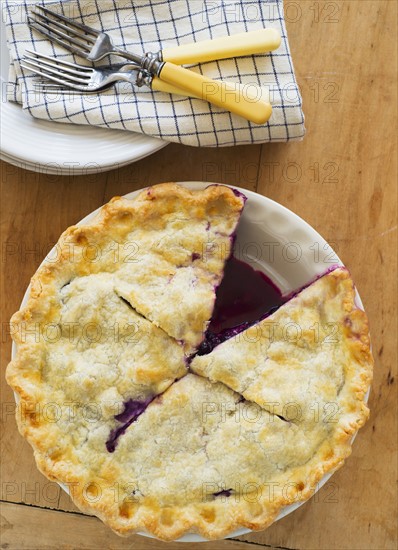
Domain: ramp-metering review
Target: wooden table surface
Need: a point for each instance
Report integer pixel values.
(342, 180)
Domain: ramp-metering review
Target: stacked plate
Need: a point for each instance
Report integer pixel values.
(63, 149)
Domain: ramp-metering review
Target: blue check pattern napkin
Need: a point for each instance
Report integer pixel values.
(149, 25)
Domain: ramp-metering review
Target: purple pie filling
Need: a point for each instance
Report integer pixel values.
(244, 296)
(239, 194)
(223, 493)
(132, 411)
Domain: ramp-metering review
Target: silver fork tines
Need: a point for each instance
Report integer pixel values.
(69, 22)
(43, 86)
(78, 77)
(62, 72)
(80, 39)
(59, 29)
(65, 69)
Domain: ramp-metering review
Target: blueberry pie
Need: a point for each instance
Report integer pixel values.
(158, 384)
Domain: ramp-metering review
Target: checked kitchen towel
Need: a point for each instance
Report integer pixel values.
(149, 25)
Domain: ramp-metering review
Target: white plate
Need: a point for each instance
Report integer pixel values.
(299, 255)
(63, 149)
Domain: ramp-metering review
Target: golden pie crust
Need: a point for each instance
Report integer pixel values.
(221, 441)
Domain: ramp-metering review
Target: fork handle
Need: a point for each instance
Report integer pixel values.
(245, 43)
(237, 100)
(158, 85)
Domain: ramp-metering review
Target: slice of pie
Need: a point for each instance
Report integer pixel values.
(212, 461)
(148, 436)
(307, 362)
(172, 245)
(166, 251)
(87, 366)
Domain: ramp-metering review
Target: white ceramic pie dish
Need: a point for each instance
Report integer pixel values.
(282, 245)
(63, 149)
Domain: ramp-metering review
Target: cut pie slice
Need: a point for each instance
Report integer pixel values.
(310, 361)
(198, 459)
(87, 366)
(166, 250)
(210, 464)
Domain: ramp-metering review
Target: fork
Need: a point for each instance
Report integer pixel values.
(94, 45)
(90, 80)
(87, 79)
(233, 97)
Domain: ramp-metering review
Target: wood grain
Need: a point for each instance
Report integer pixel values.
(342, 180)
(22, 527)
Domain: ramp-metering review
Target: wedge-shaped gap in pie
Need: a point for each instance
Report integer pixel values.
(244, 296)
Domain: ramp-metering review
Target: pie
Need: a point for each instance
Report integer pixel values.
(155, 420)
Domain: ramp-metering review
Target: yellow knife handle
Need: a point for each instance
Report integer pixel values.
(159, 85)
(238, 45)
(239, 100)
